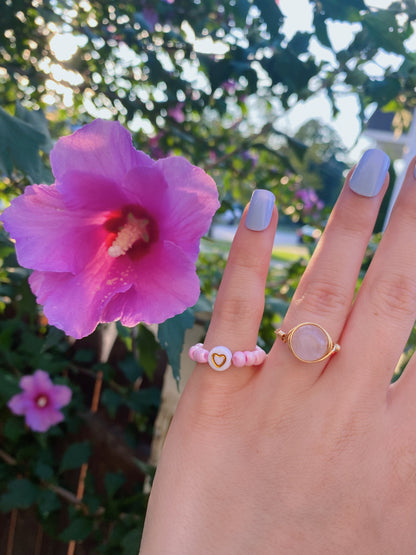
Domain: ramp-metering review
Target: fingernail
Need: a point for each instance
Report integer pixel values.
(370, 173)
(260, 210)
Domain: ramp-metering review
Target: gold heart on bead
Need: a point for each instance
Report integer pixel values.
(218, 359)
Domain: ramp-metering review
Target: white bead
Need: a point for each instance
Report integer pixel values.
(220, 358)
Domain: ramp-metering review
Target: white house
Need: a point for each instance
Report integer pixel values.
(401, 147)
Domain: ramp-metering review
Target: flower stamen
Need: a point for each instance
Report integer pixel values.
(42, 401)
(135, 229)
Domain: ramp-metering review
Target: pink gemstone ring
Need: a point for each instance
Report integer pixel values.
(309, 342)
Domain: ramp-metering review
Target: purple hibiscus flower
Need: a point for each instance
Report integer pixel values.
(116, 236)
(40, 401)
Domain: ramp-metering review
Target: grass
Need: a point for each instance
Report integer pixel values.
(281, 254)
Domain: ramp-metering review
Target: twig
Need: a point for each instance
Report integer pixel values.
(84, 468)
(12, 530)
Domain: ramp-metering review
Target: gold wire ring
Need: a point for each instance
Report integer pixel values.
(309, 342)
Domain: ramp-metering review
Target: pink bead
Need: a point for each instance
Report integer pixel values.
(250, 358)
(259, 356)
(193, 349)
(201, 355)
(239, 359)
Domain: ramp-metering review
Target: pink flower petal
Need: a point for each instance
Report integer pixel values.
(192, 199)
(49, 237)
(82, 190)
(40, 420)
(74, 303)
(165, 284)
(104, 147)
(40, 384)
(19, 403)
(147, 187)
(61, 396)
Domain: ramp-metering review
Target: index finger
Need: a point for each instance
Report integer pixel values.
(240, 300)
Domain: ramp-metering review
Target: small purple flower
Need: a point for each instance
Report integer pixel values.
(153, 144)
(177, 113)
(116, 236)
(151, 18)
(230, 86)
(250, 157)
(40, 401)
(310, 199)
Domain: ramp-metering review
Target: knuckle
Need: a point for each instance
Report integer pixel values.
(394, 296)
(353, 222)
(324, 297)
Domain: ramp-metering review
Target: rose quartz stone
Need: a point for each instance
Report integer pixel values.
(309, 343)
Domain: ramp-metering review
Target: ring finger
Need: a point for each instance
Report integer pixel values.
(326, 290)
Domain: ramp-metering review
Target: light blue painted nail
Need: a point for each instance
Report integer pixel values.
(370, 173)
(260, 210)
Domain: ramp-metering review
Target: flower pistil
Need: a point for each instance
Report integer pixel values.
(42, 401)
(133, 230)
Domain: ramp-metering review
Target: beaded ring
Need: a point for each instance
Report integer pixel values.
(220, 358)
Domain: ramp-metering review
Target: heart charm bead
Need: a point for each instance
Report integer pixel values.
(220, 358)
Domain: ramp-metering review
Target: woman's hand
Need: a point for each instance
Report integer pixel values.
(300, 458)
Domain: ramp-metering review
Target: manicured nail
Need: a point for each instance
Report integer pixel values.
(370, 173)
(260, 210)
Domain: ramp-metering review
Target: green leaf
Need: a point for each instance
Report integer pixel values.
(53, 338)
(299, 43)
(113, 482)
(341, 11)
(47, 502)
(43, 471)
(171, 336)
(272, 16)
(8, 386)
(78, 530)
(112, 401)
(321, 30)
(21, 138)
(21, 494)
(147, 347)
(14, 428)
(130, 368)
(84, 356)
(143, 399)
(36, 118)
(76, 455)
(131, 542)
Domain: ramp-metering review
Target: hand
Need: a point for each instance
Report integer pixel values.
(297, 458)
